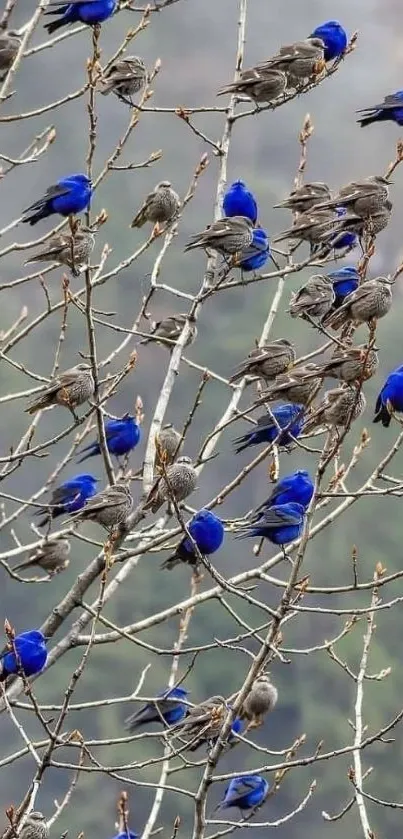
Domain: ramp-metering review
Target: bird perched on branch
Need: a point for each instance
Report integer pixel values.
(281, 426)
(31, 655)
(73, 251)
(160, 206)
(279, 523)
(169, 330)
(339, 407)
(390, 398)
(240, 201)
(313, 226)
(168, 443)
(124, 77)
(90, 12)
(361, 197)
(51, 557)
(109, 508)
(314, 299)
(245, 792)
(334, 38)
(67, 197)
(203, 723)
(68, 497)
(207, 531)
(345, 280)
(35, 827)
(259, 85)
(305, 197)
(228, 236)
(122, 436)
(299, 61)
(257, 254)
(180, 481)
(71, 388)
(10, 43)
(353, 364)
(168, 708)
(390, 110)
(261, 700)
(299, 386)
(371, 301)
(296, 488)
(267, 362)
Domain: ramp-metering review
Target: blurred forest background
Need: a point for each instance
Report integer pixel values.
(196, 42)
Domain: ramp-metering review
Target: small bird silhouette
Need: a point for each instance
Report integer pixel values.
(68, 196)
(258, 84)
(268, 361)
(35, 827)
(169, 330)
(73, 251)
(167, 709)
(161, 205)
(207, 531)
(245, 792)
(305, 197)
(70, 389)
(390, 398)
(390, 110)
(90, 12)
(228, 236)
(109, 508)
(124, 77)
(31, 653)
(181, 480)
(68, 497)
(334, 38)
(281, 426)
(240, 201)
(261, 700)
(52, 557)
(279, 523)
(371, 301)
(122, 436)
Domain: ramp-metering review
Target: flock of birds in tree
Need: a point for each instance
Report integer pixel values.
(333, 301)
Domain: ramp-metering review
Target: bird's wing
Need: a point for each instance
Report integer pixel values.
(64, 494)
(53, 191)
(241, 788)
(278, 515)
(391, 101)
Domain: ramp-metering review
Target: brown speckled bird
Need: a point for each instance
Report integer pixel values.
(70, 389)
(52, 557)
(35, 827)
(353, 364)
(73, 251)
(261, 700)
(160, 206)
(267, 362)
(299, 61)
(168, 331)
(168, 444)
(10, 43)
(370, 301)
(109, 508)
(299, 386)
(305, 197)
(125, 77)
(338, 408)
(314, 299)
(228, 236)
(258, 85)
(181, 482)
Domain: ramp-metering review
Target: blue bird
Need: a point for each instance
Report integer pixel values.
(69, 497)
(280, 524)
(207, 530)
(258, 252)
(168, 708)
(345, 239)
(390, 110)
(122, 435)
(68, 196)
(31, 652)
(334, 38)
(345, 281)
(295, 488)
(239, 201)
(126, 834)
(288, 417)
(90, 12)
(390, 399)
(245, 792)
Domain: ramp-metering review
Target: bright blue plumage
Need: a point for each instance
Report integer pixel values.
(67, 197)
(239, 201)
(245, 792)
(287, 416)
(334, 38)
(168, 708)
(207, 530)
(345, 281)
(295, 488)
(69, 497)
(390, 398)
(31, 652)
(280, 524)
(90, 12)
(390, 110)
(122, 435)
(258, 252)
